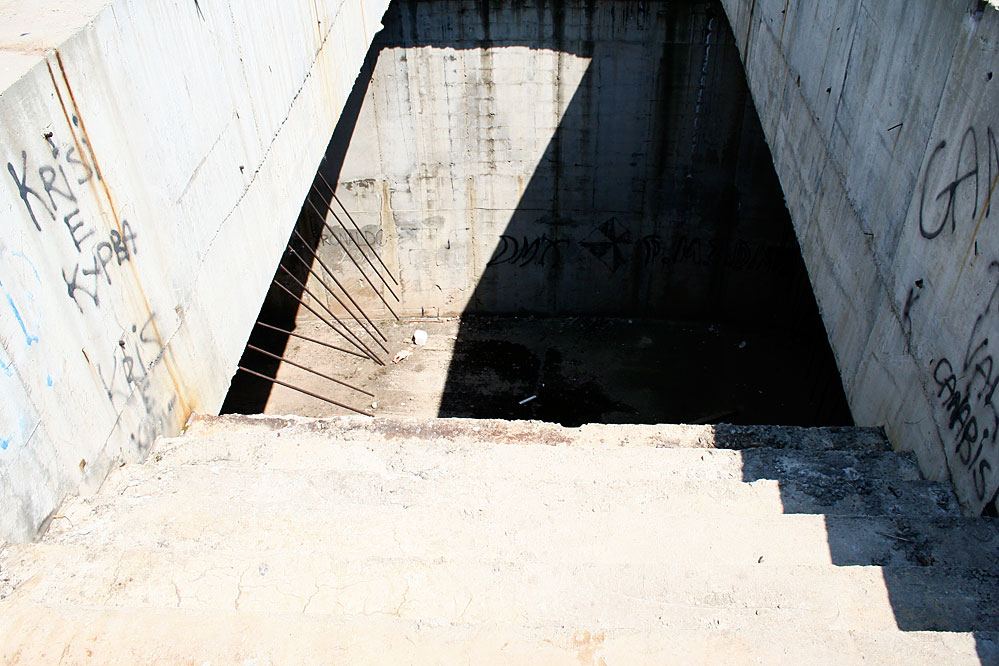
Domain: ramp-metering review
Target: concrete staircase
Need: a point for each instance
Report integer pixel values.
(258, 540)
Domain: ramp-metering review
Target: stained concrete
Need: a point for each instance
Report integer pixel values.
(561, 158)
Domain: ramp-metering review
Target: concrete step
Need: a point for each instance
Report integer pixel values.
(560, 592)
(833, 473)
(318, 512)
(277, 539)
(669, 496)
(39, 635)
(460, 430)
(828, 481)
(439, 457)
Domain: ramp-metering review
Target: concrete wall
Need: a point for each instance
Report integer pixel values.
(883, 120)
(569, 156)
(154, 164)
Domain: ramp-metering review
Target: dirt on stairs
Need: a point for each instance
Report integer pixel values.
(267, 540)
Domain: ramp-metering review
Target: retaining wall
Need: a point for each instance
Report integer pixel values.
(883, 120)
(154, 158)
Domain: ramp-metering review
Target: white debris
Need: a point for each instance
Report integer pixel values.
(419, 337)
(527, 400)
(402, 356)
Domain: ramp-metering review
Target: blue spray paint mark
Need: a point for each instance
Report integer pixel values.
(33, 269)
(48, 380)
(28, 338)
(4, 443)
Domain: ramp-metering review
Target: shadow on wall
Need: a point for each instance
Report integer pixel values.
(655, 199)
(248, 394)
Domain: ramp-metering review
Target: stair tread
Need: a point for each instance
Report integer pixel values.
(40, 635)
(313, 510)
(528, 460)
(526, 591)
(914, 498)
(519, 432)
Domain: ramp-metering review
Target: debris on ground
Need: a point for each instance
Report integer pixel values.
(527, 400)
(402, 356)
(420, 337)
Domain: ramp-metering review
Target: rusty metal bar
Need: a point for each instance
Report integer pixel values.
(326, 321)
(354, 241)
(360, 233)
(308, 339)
(338, 300)
(278, 357)
(352, 221)
(354, 261)
(315, 255)
(356, 337)
(305, 391)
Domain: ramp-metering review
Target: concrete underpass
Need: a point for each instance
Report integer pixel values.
(706, 289)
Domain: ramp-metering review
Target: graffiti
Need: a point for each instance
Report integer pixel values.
(652, 251)
(128, 374)
(370, 233)
(915, 292)
(952, 190)
(966, 392)
(610, 240)
(740, 255)
(334, 240)
(128, 367)
(526, 251)
(47, 192)
(119, 248)
(955, 195)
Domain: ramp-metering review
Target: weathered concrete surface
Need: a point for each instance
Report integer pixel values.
(438, 538)
(565, 157)
(881, 118)
(155, 161)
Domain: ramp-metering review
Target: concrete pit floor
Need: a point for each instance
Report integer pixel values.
(578, 370)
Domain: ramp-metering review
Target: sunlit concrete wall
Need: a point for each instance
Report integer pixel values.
(883, 120)
(153, 164)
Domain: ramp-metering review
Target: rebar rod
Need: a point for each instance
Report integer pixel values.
(354, 261)
(278, 357)
(308, 339)
(329, 271)
(329, 207)
(338, 300)
(353, 240)
(319, 302)
(326, 321)
(305, 391)
(361, 233)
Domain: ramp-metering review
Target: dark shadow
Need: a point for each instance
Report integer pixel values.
(249, 394)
